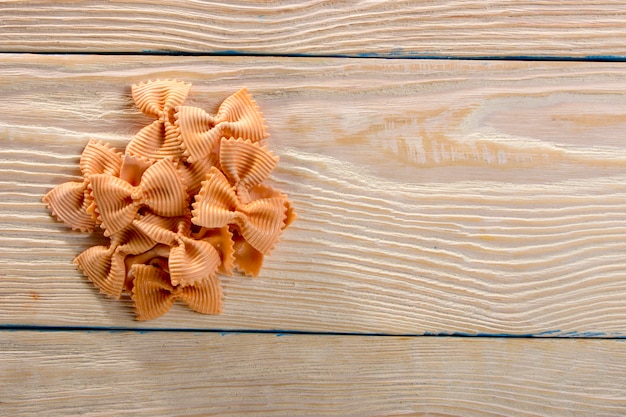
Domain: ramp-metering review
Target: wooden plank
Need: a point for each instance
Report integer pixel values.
(365, 28)
(433, 197)
(186, 374)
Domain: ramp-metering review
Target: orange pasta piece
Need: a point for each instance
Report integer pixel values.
(200, 132)
(105, 266)
(71, 202)
(190, 261)
(260, 221)
(158, 99)
(245, 164)
(161, 190)
(154, 295)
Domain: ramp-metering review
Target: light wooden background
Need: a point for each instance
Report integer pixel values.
(460, 243)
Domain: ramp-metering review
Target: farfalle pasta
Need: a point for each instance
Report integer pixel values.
(106, 267)
(185, 202)
(259, 221)
(191, 261)
(71, 202)
(160, 190)
(154, 294)
(158, 99)
(200, 132)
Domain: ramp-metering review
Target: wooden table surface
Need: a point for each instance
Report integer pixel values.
(459, 173)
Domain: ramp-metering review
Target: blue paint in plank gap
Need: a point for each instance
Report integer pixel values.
(282, 333)
(548, 333)
(394, 53)
(545, 334)
(478, 335)
(589, 334)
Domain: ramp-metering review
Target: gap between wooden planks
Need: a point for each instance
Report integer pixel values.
(358, 28)
(186, 374)
(433, 197)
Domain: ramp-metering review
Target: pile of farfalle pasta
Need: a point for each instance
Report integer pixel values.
(185, 201)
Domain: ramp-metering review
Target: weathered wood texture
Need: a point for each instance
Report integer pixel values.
(433, 196)
(363, 28)
(110, 374)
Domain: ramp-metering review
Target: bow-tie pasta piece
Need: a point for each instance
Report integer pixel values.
(154, 295)
(200, 132)
(240, 116)
(117, 202)
(259, 222)
(190, 261)
(245, 164)
(106, 267)
(158, 99)
(71, 202)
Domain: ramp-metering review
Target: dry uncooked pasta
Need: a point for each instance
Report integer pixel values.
(186, 200)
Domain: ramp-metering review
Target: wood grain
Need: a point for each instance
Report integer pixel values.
(433, 197)
(364, 28)
(195, 374)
